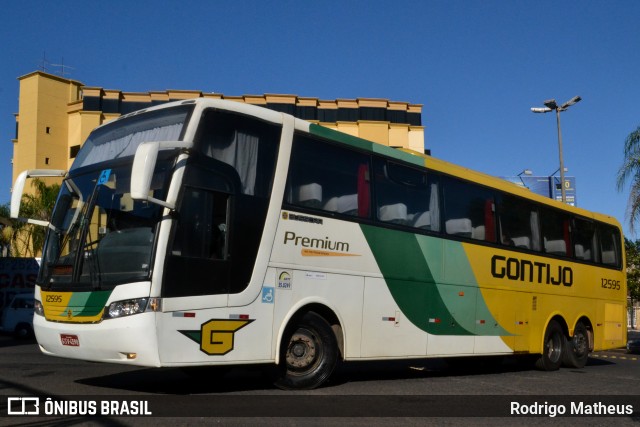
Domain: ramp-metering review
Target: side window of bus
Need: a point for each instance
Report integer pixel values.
(518, 223)
(325, 177)
(405, 196)
(585, 240)
(556, 232)
(610, 250)
(248, 144)
(469, 210)
(202, 225)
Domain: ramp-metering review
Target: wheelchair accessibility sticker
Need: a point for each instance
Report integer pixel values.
(268, 295)
(104, 176)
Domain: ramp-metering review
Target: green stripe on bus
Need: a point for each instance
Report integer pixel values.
(363, 144)
(89, 303)
(456, 283)
(411, 282)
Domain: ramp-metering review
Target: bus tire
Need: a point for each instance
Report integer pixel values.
(554, 343)
(309, 353)
(22, 331)
(576, 351)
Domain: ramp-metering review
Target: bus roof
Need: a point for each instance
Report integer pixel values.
(401, 154)
(435, 164)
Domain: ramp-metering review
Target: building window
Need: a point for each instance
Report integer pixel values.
(73, 151)
(46, 160)
(48, 130)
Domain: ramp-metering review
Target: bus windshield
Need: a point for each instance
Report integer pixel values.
(99, 236)
(121, 138)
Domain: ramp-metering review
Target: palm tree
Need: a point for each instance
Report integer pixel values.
(630, 170)
(29, 238)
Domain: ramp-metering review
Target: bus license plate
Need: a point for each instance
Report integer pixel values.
(70, 340)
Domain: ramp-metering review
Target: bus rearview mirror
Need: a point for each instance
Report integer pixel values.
(18, 190)
(144, 165)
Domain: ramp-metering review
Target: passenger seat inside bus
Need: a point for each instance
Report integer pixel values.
(556, 247)
(459, 227)
(396, 213)
(523, 242)
(308, 195)
(422, 220)
(347, 205)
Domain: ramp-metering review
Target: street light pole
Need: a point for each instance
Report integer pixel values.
(551, 105)
(562, 190)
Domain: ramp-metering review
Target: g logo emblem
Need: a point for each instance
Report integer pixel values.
(216, 337)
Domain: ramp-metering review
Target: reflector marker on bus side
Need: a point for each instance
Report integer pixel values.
(436, 320)
(239, 316)
(183, 314)
(480, 321)
(395, 319)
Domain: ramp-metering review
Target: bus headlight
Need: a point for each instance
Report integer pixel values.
(37, 308)
(126, 308)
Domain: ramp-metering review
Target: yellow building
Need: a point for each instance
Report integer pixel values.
(56, 115)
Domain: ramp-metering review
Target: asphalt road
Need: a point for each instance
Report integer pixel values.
(403, 392)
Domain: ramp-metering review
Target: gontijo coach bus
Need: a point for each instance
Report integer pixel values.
(210, 232)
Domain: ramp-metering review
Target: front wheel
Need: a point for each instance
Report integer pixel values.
(554, 343)
(576, 350)
(309, 354)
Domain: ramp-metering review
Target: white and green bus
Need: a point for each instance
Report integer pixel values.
(210, 232)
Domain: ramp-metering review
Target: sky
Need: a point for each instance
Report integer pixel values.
(477, 67)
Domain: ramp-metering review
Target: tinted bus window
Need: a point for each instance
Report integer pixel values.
(555, 232)
(406, 196)
(519, 225)
(584, 240)
(469, 210)
(326, 177)
(247, 144)
(609, 245)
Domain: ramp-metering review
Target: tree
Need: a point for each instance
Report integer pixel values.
(28, 239)
(630, 170)
(632, 248)
(6, 231)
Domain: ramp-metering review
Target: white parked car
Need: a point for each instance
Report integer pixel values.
(17, 317)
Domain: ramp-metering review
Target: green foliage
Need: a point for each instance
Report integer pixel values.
(28, 239)
(6, 231)
(630, 172)
(632, 249)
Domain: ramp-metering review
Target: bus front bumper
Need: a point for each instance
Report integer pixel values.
(128, 340)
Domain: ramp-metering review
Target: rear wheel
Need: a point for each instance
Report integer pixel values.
(309, 354)
(554, 343)
(576, 351)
